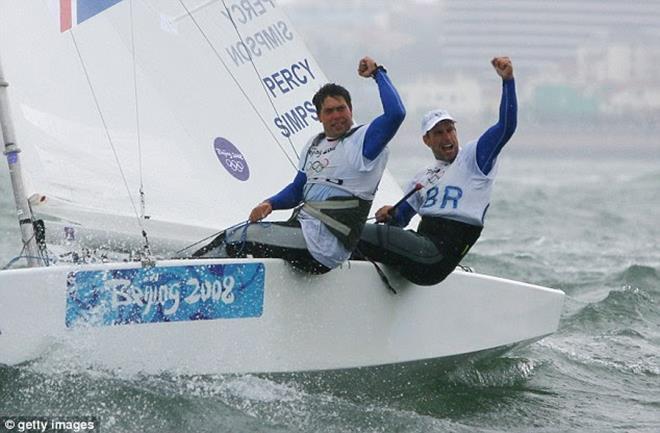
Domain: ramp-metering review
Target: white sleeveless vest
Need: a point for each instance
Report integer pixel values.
(457, 191)
(340, 164)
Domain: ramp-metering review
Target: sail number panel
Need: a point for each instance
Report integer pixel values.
(164, 294)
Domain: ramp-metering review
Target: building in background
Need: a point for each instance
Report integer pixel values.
(582, 61)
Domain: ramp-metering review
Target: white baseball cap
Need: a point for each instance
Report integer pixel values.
(433, 117)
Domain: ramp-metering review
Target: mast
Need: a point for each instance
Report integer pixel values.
(12, 150)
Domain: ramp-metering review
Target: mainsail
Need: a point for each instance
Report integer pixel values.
(202, 105)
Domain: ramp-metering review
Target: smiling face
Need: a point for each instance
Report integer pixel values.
(336, 116)
(443, 141)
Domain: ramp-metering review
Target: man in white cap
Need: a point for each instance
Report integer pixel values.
(451, 195)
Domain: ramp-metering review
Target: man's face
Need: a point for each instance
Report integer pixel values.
(443, 141)
(335, 116)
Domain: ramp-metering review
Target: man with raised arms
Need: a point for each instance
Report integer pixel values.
(337, 178)
(451, 195)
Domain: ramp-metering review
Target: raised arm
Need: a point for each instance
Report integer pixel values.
(493, 140)
(383, 128)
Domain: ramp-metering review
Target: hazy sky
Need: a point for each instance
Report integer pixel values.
(581, 66)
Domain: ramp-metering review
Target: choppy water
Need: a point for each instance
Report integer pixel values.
(588, 227)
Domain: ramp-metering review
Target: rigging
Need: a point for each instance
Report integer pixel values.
(111, 142)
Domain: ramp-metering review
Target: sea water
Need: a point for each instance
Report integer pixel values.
(586, 226)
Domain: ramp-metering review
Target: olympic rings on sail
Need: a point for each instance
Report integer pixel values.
(234, 165)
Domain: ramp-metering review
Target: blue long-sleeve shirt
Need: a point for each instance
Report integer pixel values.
(380, 132)
(489, 144)
(493, 140)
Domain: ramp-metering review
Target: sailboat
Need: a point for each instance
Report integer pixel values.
(146, 126)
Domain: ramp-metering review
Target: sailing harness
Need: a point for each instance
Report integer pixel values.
(343, 216)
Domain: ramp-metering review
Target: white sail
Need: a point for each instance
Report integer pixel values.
(206, 112)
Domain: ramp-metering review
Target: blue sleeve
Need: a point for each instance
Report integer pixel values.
(383, 128)
(492, 141)
(291, 195)
(403, 214)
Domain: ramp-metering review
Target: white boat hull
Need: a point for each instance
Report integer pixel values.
(342, 320)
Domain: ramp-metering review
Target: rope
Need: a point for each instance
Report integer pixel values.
(46, 259)
(176, 253)
(137, 117)
(243, 238)
(227, 231)
(106, 129)
(41, 257)
(380, 272)
(17, 258)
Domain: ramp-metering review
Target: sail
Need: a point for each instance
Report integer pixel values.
(203, 105)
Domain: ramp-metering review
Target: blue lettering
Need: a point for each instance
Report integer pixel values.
(270, 85)
(283, 129)
(431, 197)
(288, 79)
(452, 194)
(296, 119)
(239, 53)
(279, 81)
(290, 82)
(248, 8)
(284, 30)
(270, 38)
(302, 113)
(253, 47)
(293, 121)
(273, 37)
(311, 109)
(305, 64)
(244, 11)
(260, 39)
(301, 79)
(230, 16)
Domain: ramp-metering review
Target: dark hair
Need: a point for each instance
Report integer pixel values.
(331, 89)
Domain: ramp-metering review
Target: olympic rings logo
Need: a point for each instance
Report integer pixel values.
(318, 166)
(234, 165)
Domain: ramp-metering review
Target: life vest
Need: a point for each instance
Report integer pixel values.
(340, 164)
